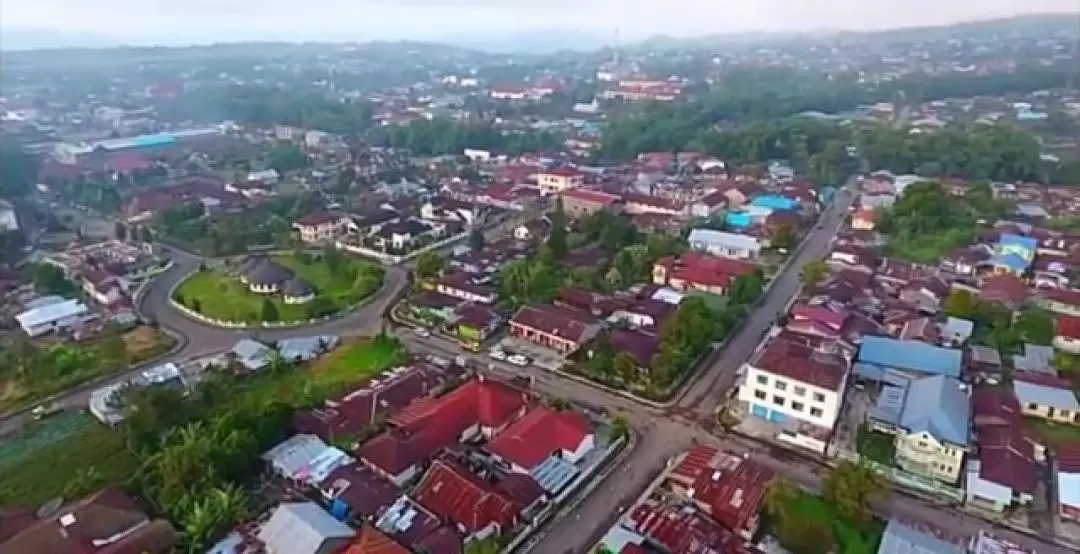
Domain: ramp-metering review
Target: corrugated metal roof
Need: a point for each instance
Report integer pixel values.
(1042, 395)
(553, 474)
(900, 538)
(301, 528)
(940, 406)
(910, 355)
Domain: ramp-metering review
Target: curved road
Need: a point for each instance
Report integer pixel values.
(199, 339)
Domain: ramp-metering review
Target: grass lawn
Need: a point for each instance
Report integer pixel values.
(222, 296)
(37, 464)
(61, 366)
(1052, 434)
(849, 540)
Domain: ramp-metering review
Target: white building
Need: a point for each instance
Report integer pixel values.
(51, 317)
(799, 388)
(725, 245)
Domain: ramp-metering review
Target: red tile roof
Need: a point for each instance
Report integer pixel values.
(733, 495)
(533, 438)
(802, 363)
(555, 321)
(995, 406)
(1044, 379)
(1068, 457)
(642, 346)
(1068, 327)
(694, 461)
(1005, 288)
(1069, 297)
(318, 218)
(562, 172)
(591, 196)
(371, 541)
(1007, 457)
(455, 494)
(682, 532)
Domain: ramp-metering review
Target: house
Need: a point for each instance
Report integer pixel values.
(267, 176)
(543, 433)
(304, 459)
(474, 323)
(1003, 472)
(1068, 481)
(480, 408)
(265, 276)
(108, 522)
(304, 528)
(557, 328)
(371, 541)
(641, 204)
(725, 245)
(930, 419)
(579, 203)
(699, 271)
(103, 287)
(819, 317)
(1059, 301)
(477, 508)
(878, 355)
(1008, 290)
(966, 261)
(462, 286)
(442, 208)
(791, 384)
(1014, 254)
(864, 220)
(678, 531)
(729, 489)
(320, 227)
(553, 181)
(917, 536)
(55, 316)
(355, 492)
(404, 234)
(1067, 334)
(1046, 397)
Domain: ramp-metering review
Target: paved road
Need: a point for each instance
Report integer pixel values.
(200, 339)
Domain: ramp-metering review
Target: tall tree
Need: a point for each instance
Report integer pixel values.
(557, 238)
(429, 264)
(813, 273)
(852, 488)
(1035, 326)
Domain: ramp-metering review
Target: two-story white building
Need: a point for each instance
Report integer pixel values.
(321, 227)
(798, 387)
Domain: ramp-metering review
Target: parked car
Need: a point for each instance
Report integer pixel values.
(497, 354)
(518, 360)
(43, 411)
(423, 332)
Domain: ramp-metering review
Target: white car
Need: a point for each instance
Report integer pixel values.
(497, 354)
(519, 360)
(423, 332)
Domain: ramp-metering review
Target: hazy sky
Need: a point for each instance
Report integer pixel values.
(184, 21)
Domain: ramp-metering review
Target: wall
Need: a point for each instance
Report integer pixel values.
(936, 460)
(830, 406)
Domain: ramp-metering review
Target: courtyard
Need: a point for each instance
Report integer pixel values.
(339, 284)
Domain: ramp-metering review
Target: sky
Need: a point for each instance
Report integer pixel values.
(174, 22)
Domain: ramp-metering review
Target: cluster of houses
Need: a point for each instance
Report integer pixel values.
(870, 353)
(387, 228)
(457, 459)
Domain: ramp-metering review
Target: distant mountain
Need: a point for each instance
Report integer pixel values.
(34, 39)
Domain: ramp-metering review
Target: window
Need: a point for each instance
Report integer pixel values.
(762, 380)
(818, 397)
(816, 412)
(797, 406)
(800, 391)
(778, 400)
(759, 394)
(1064, 413)
(1033, 406)
(780, 385)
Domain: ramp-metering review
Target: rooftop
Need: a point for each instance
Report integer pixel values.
(534, 438)
(910, 356)
(822, 367)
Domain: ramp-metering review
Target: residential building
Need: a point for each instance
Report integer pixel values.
(554, 181)
(916, 536)
(557, 328)
(798, 387)
(1003, 471)
(1060, 301)
(477, 508)
(304, 528)
(355, 492)
(697, 271)
(463, 287)
(580, 202)
(108, 522)
(728, 488)
(542, 434)
(1068, 481)
(1014, 254)
(725, 245)
(864, 220)
(55, 316)
(879, 355)
(265, 276)
(320, 227)
(930, 418)
(1046, 397)
(371, 541)
(1067, 334)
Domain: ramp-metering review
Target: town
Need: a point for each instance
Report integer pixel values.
(370, 298)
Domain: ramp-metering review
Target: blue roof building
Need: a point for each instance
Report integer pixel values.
(936, 405)
(738, 220)
(878, 355)
(775, 202)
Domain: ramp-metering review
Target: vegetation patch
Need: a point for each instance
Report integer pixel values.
(339, 282)
(878, 447)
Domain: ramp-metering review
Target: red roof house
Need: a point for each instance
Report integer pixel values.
(550, 326)
(1067, 334)
(542, 433)
(371, 541)
(476, 507)
(699, 271)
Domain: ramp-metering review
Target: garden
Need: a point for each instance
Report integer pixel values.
(339, 282)
(33, 370)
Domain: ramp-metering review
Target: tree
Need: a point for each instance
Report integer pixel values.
(746, 288)
(960, 303)
(557, 238)
(813, 273)
(488, 545)
(1035, 326)
(785, 237)
(852, 488)
(626, 367)
(806, 536)
(620, 428)
(49, 279)
(429, 264)
(779, 496)
(269, 310)
(476, 240)
(286, 158)
(85, 481)
(120, 230)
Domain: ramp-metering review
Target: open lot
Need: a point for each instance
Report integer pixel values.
(39, 463)
(221, 295)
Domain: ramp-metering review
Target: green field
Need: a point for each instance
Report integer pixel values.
(849, 540)
(218, 295)
(37, 465)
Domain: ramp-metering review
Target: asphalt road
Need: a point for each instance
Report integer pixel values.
(199, 339)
